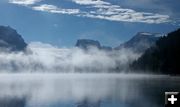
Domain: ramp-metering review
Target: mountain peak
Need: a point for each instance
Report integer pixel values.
(10, 39)
(141, 41)
(87, 43)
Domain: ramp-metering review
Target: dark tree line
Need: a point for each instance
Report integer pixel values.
(164, 57)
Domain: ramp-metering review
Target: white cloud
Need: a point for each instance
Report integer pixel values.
(55, 9)
(90, 2)
(100, 10)
(24, 2)
(107, 11)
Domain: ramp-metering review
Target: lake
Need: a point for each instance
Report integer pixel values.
(85, 90)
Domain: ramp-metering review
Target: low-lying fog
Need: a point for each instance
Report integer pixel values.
(47, 58)
(52, 89)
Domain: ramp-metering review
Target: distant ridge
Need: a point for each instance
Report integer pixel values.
(140, 42)
(88, 43)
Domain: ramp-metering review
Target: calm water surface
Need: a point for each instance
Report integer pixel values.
(85, 90)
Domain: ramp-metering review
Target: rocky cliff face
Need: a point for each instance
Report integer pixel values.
(140, 42)
(87, 43)
(10, 39)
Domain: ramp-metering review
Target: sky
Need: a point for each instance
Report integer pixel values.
(112, 22)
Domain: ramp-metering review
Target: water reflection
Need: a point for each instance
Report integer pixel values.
(85, 90)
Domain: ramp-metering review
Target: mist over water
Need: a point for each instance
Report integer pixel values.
(49, 76)
(54, 90)
(41, 57)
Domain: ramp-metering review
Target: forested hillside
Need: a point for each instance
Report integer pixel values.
(164, 57)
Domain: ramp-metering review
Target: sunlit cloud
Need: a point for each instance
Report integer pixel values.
(55, 9)
(90, 2)
(99, 9)
(24, 2)
(108, 11)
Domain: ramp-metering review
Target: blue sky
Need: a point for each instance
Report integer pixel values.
(62, 22)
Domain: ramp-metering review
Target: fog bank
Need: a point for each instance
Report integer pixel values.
(41, 57)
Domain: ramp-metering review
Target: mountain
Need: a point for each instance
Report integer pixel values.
(88, 43)
(87, 103)
(164, 57)
(13, 102)
(106, 48)
(140, 42)
(10, 39)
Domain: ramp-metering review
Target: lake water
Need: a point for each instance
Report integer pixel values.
(85, 90)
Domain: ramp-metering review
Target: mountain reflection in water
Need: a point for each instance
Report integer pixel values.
(85, 90)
